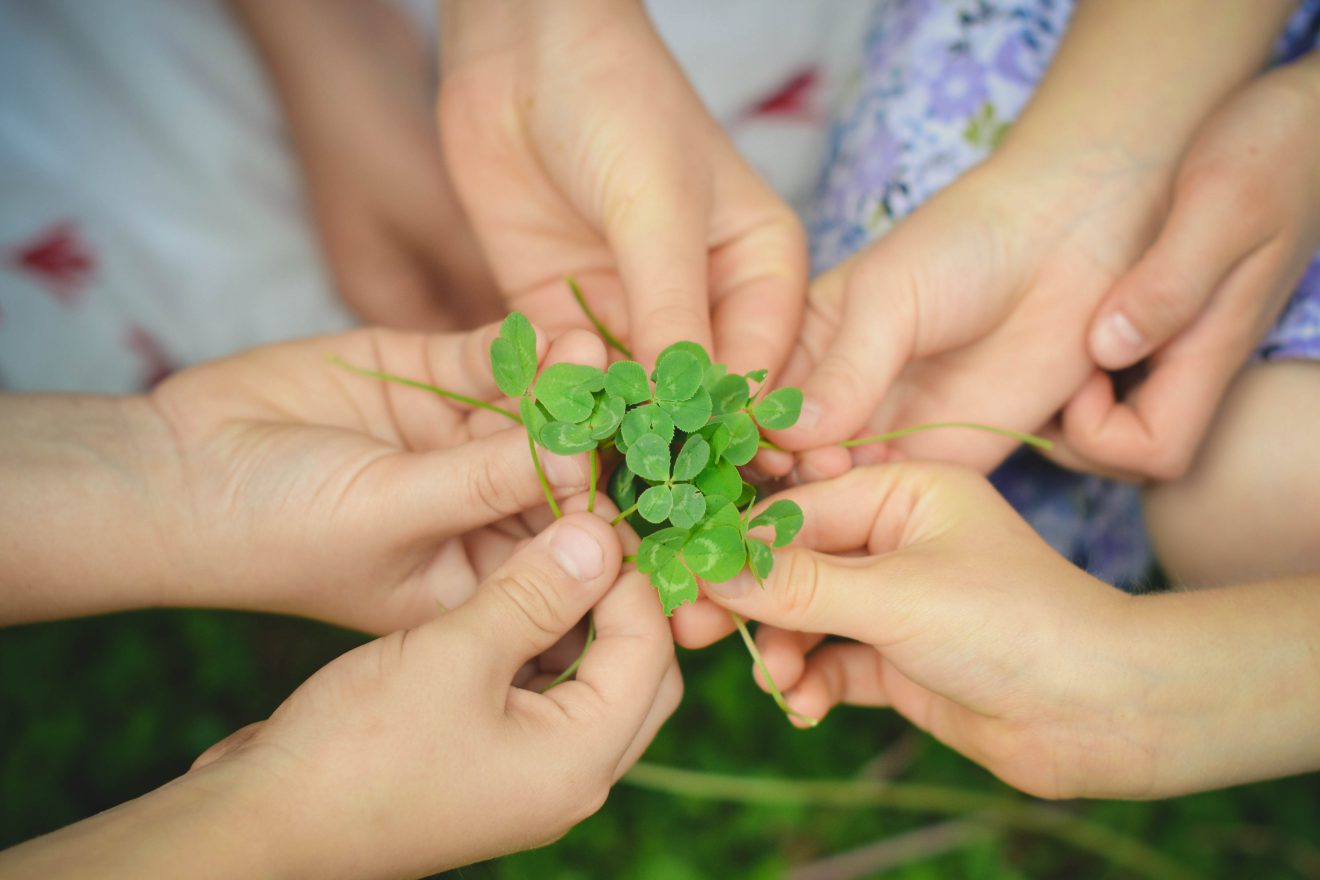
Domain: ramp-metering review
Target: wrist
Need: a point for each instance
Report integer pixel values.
(473, 29)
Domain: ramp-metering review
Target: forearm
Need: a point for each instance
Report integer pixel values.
(1133, 79)
(208, 824)
(82, 500)
(1229, 683)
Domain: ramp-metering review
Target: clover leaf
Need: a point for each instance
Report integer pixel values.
(513, 355)
(677, 375)
(656, 503)
(743, 438)
(675, 584)
(785, 517)
(642, 421)
(566, 438)
(566, 390)
(759, 559)
(627, 380)
(648, 458)
(606, 416)
(533, 416)
(689, 505)
(729, 394)
(659, 548)
(720, 479)
(692, 458)
(779, 409)
(717, 554)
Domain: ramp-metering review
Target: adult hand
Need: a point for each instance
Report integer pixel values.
(579, 150)
(969, 625)
(1245, 221)
(298, 482)
(414, 754)
(357, 85)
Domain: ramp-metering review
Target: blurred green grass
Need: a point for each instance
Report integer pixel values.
(94, 712)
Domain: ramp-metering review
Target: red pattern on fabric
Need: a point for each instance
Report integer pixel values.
(156, 364)
(794, 98)
(59, 259)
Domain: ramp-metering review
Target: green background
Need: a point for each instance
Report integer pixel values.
(94, 712)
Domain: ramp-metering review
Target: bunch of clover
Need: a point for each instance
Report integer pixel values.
(680, 435)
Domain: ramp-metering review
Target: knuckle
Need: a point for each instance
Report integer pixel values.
(528, 600)
(488, 485)
(799, 587)
(1165, 302)
(841, 376)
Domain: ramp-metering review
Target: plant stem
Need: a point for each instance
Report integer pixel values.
(765, 673)
(412, 383)
(609, 338)
(573, 667)
(1029, 439)
(631, 557)
(540, 475)
(995, 809)
(621, 517)
(593, 462)
(766, 443)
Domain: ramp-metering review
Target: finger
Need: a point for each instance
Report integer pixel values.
(620, 677)
(540, 593)
(784, 653)
(1172, 283)
(234, 741)
(874, 322)
(758, 289)
(659, 241)
(839, 673)
(700, 624)
(667, 698)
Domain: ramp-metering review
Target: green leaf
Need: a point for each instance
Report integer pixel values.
(720, 512)
(566, 390)
(713, 374)
(743, 438)
(675, 584)
(691, 414)
(533, 416)
(716, 555)
(689, 506)
(623, 487)
(718, 436)
(721, 479)
(759, 559)
(648, 458)
(692, 458)
(691, 348)
(627, 379)
(757, 375)
(606, 416)
(513, 355)
(748, 496)
(658, 549)
(655, 504)
(729, 394)
(677, 375)
(785, 517)
(566, 438)
(779, 409)
(644, 421)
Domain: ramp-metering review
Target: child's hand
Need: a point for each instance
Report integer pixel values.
(302, 483)
(1244, 222)
(579, 149)
(414, 754)
(965, 622)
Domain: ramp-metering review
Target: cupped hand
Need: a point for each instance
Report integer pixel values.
(960, 617)
(296, 486)
(1245, 221)
(579, 150)
(414, 754)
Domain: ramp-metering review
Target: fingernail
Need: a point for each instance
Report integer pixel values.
(577, 551)
(1119, 339)
(810, 416)
(563, 471)
(733, 589)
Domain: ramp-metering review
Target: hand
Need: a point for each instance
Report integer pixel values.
(357, 85)
(1244, 223)
(974, 308)
(296, 482)
(970, 626)
(579, 149)
(413, 754)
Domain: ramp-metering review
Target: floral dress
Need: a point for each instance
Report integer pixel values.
(941, 80)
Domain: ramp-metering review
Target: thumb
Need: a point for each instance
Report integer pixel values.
(1170, 286)
(542, 591)
(809, 591)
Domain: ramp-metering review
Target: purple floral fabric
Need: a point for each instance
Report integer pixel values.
(941, 81)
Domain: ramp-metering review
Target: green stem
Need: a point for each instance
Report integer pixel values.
(765, 673)
(621, 517)
(631, 557)
(1007, 812)
(610, 339)
(593, 462)
(412, 383)
(1029, 439)
(573, 667)
(766, 443)
(540, 475)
